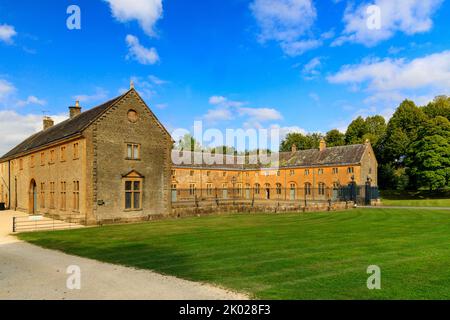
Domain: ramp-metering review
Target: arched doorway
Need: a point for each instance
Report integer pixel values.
(32, 202)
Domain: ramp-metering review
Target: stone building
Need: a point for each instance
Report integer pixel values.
(113, 163)
(109, 163)
(313, 174)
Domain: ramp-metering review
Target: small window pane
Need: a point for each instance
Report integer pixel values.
(128, 185)
(137, 200)
(130, 151)
(137, 186)
(128, 200)
(135, 152)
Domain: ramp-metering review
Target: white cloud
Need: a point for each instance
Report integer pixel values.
(6, 89)
(218, 114)
(214, 100)
(99, 95)
(226, 110)
(311, 70)
(297, 48)
(260, 114)
(14, 127)
(222, 101)
(287, 22)
(407, 16)
(397, 74)
(146, 12)
(139, 53)
(7, 32)
(155, 80)
(389, 81)
(145, 88)
(31, 100)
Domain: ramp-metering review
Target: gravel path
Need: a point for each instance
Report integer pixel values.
(31, 272)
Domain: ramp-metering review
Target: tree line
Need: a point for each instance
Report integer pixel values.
(412, 149)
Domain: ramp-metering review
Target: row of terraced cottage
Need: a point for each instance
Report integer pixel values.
(114, 163)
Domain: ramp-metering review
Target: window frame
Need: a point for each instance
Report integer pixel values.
(76, 196)
(76, 150)
(134, 146)
(63, 153)
(133, 193)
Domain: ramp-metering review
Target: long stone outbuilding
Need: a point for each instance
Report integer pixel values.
(113, 163)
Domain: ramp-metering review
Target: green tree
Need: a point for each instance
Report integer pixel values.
(335, 138)
(429, 162)
(355, 131)
(302, 142)
(428, 159)
(440, 106)
(401, 131)
(188, 143)
(375, 129)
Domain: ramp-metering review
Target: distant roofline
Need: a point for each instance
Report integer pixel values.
(199, 167)
(259, 167)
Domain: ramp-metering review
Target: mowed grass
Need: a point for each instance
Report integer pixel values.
(285, 256)
(417, 202)
(420, 198)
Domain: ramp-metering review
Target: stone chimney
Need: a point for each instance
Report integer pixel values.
(322, 145)
(75, 110)
(294, 148)
(48, 122)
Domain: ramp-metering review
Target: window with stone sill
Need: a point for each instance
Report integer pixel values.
(63, 205)
(133, 194)
(192, 189)
(133, 151)
(321, 189)
(52, 156)
(76, 151)
(63, 154)
(308, 189)
(76, 196)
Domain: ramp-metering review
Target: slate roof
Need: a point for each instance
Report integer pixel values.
(303, 158)
(61, 131)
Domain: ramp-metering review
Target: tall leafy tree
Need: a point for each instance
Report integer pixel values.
(401, 131)
(356, 131)
(428, 159)
(335, 138)
(440, 106)
(375, 129)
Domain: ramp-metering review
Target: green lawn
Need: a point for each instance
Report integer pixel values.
(291, 256)
(417, 202)
(416, 198)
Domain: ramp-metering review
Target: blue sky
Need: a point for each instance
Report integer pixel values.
(300, 65)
